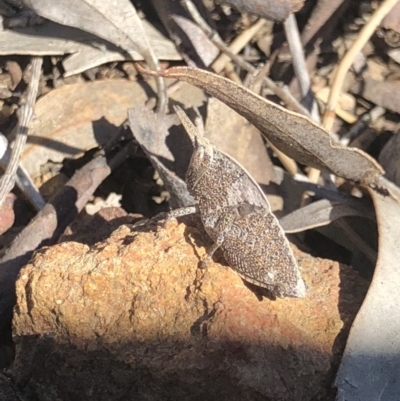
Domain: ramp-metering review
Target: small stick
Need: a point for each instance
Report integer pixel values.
(361, 124)
(289, 164)
(256, 85)
(22, 178)
(237, 45)
(345, 115)
(300, 66)
(365, 34)
(357, 240)
(283, 93)
(147, 51)
(7, 181)
(230, 73)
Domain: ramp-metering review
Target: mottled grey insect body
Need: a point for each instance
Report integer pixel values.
(237, 216)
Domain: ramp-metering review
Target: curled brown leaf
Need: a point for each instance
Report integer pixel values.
(295, 135)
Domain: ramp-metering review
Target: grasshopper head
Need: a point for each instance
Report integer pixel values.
(203, 152)
(202, 158)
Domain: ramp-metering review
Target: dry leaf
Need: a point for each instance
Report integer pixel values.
(86, 50)
(166, 148)
(165, 145)
(389, 159)
(272, 9)
(293, 134)
(117, 22)
(391, 21)
(324, 212)
(384, 94)
(190, 39)
(372, 349)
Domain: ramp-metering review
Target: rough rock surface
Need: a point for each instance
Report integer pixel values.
(132, 317)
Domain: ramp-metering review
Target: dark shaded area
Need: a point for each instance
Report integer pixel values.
(92, 229)
(164, 370)
(347, 297)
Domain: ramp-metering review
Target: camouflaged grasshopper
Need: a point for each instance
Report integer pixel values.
(237, 216)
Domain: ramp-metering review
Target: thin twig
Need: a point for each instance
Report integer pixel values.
(344, 115)
(7, 181)
(224, 63)
(357, 240)
(284, 94)
(300, 66)
(22, 178)
(361, 124)
(28, 188)
(170, 89)
(287, 162)
(348, 59)
(162, 98)
(256, 85)
(229, 72)
(237, 45)
(146, 50)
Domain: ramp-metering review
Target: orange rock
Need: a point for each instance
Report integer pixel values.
(7, 215)
(132, 316)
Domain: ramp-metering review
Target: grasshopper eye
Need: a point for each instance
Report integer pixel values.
(198, 155)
